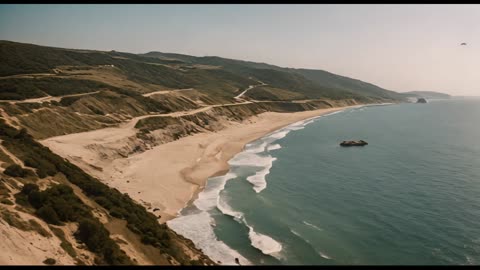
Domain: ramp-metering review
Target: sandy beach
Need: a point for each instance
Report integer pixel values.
(167, 177)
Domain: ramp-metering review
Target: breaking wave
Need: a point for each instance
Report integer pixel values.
(262, 242)
(258, 180)
(323, 255)
(207, 199)
(256, 154)
(198, 225)
(273, 147)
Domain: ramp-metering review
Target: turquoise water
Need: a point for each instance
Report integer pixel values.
(412, 196)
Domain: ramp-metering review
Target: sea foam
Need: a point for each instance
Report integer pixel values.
(207, 199)
(264, 243)
(258, 180)
(197, 227)
(273, 147)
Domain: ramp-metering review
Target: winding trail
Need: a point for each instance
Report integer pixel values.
(126, 129)
(250, 88)
(166, 92)
(48, 98)
(28, 76)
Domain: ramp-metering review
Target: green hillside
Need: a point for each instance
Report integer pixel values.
(215, 76)
(305, 82)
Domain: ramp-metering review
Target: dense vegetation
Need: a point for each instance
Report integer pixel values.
(310, 83)
(119, 205)
(59, 204)
(24, 88)
(17, 171)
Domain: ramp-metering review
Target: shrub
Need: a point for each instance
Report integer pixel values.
(34, 225)
(29, 188)
(97, 239)
(50, 261)
(65, 244)
(16, 170)
(49, 215)
(21, 199)
(60, 199)
(43, 167)
(6, 201)
(36, 199)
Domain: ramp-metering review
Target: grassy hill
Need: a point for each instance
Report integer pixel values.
(304, 82)
(117, 82)
(334, 81)
(219, 77)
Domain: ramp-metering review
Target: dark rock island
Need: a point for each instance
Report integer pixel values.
(353, 143)
(421, 100)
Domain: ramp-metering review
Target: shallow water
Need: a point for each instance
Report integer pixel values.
(412, 196)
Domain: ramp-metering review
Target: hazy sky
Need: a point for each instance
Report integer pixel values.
(398, 47)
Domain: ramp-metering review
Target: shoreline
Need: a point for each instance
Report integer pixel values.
(224, 171)
(197, 226)
(168, 177)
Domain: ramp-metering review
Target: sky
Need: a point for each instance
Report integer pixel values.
(397, 47)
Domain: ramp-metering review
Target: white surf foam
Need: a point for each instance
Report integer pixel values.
(273, 147)
(249, 148)
(227, 210)
(313, 226)
(250, 159)
(258, 179)
(296, 233)
(207, 199)
(323, 255)
(262, 242)
(197, 228)
(279, 134)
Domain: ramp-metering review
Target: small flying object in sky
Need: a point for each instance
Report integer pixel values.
(463, 44)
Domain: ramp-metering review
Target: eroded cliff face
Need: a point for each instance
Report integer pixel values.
(26, 239)
(158, 130)
(30, 236)
(109, 106)
(155, 130)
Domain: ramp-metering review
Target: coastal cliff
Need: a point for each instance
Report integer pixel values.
(52, 210)
(129, 140)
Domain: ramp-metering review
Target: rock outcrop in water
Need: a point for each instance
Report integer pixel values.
(353, 143)
(421, 100)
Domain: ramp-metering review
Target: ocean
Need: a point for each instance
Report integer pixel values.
(295, 197)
